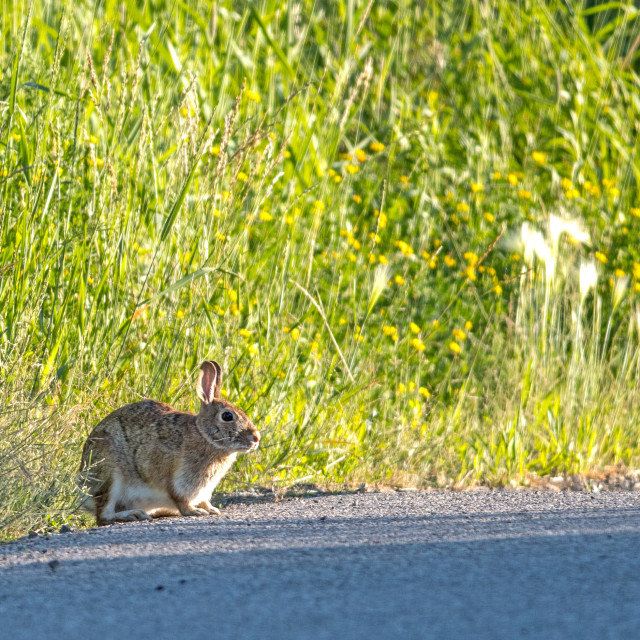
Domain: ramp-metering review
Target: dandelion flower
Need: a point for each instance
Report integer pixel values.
(417, 344)
(489, 217)
(459, 334)
(265, 216)
(253, 96)
(360, 155)
(424, 392)
(601, 257)
(398, 279)
(414, 328)
(455, 347)
(351, 168)
(476, 187)
(539, 157)
(376, 147)
(295, 334)
(524, 194)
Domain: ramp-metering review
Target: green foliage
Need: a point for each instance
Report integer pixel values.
(329, 199)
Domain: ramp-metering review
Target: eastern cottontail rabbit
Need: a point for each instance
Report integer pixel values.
(147, 459)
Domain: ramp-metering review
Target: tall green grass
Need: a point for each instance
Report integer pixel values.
(327, 198)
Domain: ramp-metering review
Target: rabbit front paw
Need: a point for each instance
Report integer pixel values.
(209, 508)
(188, 510)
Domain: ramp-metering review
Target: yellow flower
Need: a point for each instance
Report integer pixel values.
(471, 258)
(513, 179)
(252, 95)
(619, 273)
(455, 347)
(253, 349)
(92, 140)
(377, 147)
(16, 136)
(417, 344)
(566, 184)
(459, 334)
(360, 155)
(382, 219)
(476, 187)
(319, 206)
(470, 272)
(462, 206)
(497, 289)
(398, 279)
(449, 261)
(243, 176)
(572, 193)
(180, 314)
(636, 270)
(468, 325)
(214, 150)
(496, 175)
(614, 192)
(245, 333)
(357, 199)
(390, 331)
(489, 217)
(405, 248)
(295, 334)
(404, 179)
(539, 157)
(525, 195)
(635, 212)
(351, 168)
(414, 328)
(601, 257)
(382, 259)
(424, 392)
(402, 388)
(607, 183)
(265, 216)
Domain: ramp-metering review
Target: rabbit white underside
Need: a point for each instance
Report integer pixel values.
(142, 497)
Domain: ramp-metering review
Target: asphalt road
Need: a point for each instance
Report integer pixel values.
(375, 565)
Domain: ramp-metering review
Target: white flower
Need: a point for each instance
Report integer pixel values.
(588, 278)
(619, 289)
(558, 226)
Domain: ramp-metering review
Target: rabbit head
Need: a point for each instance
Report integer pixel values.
(222, 424)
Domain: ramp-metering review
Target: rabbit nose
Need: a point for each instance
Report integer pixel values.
(255, 438)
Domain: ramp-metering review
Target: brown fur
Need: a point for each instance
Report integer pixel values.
(147, 459)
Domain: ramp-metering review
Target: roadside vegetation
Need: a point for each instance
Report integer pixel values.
(409, 232)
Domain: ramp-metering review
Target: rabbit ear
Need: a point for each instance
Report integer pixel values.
(218, 384)
(208, 382)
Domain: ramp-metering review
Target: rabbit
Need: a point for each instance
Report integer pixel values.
(147, 459)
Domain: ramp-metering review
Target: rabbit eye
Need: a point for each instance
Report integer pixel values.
(228, 416)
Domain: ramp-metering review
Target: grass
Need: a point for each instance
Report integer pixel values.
(374, 215)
